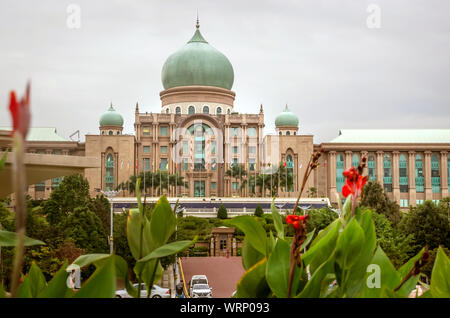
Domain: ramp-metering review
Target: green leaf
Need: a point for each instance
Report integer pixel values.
(85, 260)
(253, 283)
(440, 276)
(253, 230)
(2, 292)
(349, 245)
(411, 283)
(347, 208)
(270, 243)
(308, 239)
(8, 238)
(250, 256)
(322, 247)
(150, 272)
(3, 160)
(102, 284)
(388, 276)
(136, 224)
(277, 270)
(168, 249)
(277, 221)
(162, 222)
(57, 286)
(317, 282)
(33, 283)
(138, 197)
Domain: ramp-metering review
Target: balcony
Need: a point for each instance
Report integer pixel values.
(420, 181)
(436, 181)
(109, 179)
(387, 180)
(403, 180)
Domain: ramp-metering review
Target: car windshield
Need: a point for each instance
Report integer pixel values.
(199, 281)
(201, 286)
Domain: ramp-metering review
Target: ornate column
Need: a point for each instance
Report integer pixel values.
(364, 153)
(348, 159)
(332, 174)
(395, 176)
(444, 174)
(412, 177)
(379, 170)
(427, 170)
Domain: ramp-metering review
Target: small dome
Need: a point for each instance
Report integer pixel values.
(111, 118)
(286, 119)
(197, 63)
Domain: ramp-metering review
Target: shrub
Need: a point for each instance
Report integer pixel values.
(259, 211)
(222, 212)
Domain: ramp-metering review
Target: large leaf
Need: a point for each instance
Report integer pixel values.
(277, 221)
(162, 222)
(8, 238)
(138, 230)
(168, 249)
(150, 272)
(440, 276)
(349, 245)
(57, 286)
(317, 283)
(277, 270)
(308, 239)
(411, 283)
(33, 284)
(253, 283)
(388, 276)
(250, 256)
(320, 250)
(253, 230)
(87, 259)
(102, 284)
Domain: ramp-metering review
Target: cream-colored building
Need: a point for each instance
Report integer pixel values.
(198, 134)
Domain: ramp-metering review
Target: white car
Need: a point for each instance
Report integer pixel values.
(197, 279)
(201, 291)
(157, 292)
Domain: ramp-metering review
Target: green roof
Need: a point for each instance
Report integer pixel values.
(197, 63)
(286, 119)
(393, 136)
(111, 118)
(41, 134)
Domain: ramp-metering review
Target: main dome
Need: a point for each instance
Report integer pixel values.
(286, 119)
(111, 118)
(197, 63)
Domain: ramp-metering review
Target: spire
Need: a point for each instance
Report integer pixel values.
(286, 109)
(261, 109)
(198, 22)
(137, 108)
(111, 107)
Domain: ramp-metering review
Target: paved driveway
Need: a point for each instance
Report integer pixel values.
(223, 273)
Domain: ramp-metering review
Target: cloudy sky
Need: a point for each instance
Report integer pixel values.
(319, 56)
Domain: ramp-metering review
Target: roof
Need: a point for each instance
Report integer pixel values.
(286, 119)
(41, 134)
(393, 136)
(111, 118)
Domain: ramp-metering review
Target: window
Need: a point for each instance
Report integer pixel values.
(235, 161)
(290, 173)
(213, 147)
(146, 149)
(57, 152)
(295, 133)
(252, 132)
(355, 160)
(103, 132)
(435, 176)
(340, 179)
(251, 149)
(146, 131)
(419, 179)
(213, 164)
(228, 111)
(213, 186)
(252, 164)
(178, 110)
(163, 130)
(371, 167)
(288, 133)
(118, 132)
(403, 174)
(191, 110)
(387, 176)
(199, 188)
(234, 131)
(403, 203)
(219, 110)
(146, 164)
(205, 110)
(56, 182)
(167, 110)
(418, 202)
(185, 148)
(280, 133)
(235, 186)
(185, 164)
(109, 176)
(163, 166)
(110, 133)
(235, 149)
(163, 149)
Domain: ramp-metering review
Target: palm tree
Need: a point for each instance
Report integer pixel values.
(237, 171)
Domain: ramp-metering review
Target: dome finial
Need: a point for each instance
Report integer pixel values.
(198, 22)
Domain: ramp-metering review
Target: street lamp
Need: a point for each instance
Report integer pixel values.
(110, 195)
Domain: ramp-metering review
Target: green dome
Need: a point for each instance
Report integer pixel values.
(197, 63)
(111, 118)
(286, 119)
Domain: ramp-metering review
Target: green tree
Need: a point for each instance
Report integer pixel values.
(259, 211)
(373, 197)
(102, 208)
(222, 212)
(320, 218)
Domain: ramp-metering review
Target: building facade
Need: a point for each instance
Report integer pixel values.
(197, 134)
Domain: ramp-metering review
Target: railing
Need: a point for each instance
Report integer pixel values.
(386, 164)
(403, 180)
(109, 179)
(372, 178)
(436, 181)
(387, 180)
(402, 164)
(371, 164)
(420, 181)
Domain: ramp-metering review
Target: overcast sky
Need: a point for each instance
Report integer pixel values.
(320, 57)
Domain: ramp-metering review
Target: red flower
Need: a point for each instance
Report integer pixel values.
(354, 183)
(20, 112)
(295, 219)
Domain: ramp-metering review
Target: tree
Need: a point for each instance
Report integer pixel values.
(373, 197)
(102, 208)
(222, 212)
(320, 218)
(259, 211)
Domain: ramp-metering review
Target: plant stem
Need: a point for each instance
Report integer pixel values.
(18, 177)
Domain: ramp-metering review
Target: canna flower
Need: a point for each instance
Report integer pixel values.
(295, 220)
(20, 112)
(354, 183)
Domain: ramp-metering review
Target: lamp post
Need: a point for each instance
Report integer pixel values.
(110, 195)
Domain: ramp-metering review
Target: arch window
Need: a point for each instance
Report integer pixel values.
(288, 133)
(118, 132)
(103, 132)
(191, 110)
(228, 111)
(290, 173)
(435, 175)
(178, 110)
(340, 179)
(109, 175)
(403, 173)
(110, 133)
(167, 110)
(280, 133)
(295, 133)
(219, 110)
(205, 110)
(199, 131)
(419, 179)
(371, 167)
(387, 175)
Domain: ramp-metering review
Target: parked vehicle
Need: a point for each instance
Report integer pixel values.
(201, 291)
(157, 292)
(197, 279)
